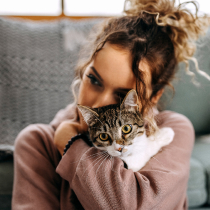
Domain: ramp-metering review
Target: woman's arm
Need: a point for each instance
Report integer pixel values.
(101, 182)
(36, 185)
(67, 123)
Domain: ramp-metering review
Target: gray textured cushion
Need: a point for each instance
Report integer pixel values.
(37, 62)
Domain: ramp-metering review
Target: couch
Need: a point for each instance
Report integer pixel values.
(37, 60)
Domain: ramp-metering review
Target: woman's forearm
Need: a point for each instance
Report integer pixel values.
(102, 182)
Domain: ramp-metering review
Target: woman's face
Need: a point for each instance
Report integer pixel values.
(108, 78)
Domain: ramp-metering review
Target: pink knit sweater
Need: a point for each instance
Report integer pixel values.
(83, 179)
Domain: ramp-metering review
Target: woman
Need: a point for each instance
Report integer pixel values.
(138, 51)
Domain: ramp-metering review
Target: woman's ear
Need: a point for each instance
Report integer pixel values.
(156, 98)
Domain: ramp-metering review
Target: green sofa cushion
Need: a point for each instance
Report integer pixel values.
(6, 177)
(6, 183)
(196, 191)
(202, 153)
(190, 100)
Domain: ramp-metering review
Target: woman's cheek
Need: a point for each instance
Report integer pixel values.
(87, 94)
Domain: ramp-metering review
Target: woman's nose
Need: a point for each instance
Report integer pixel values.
(104, 99)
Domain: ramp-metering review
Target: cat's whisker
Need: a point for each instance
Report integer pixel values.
(112, 163)
(76, 161)
(106, 156)
(99, 120)
(99, 159)
(160, 163)
(94, 155)
(96, 160)
(89, 156)
(95, 127)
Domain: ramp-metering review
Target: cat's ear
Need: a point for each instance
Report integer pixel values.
(87, 113)
(130, 101)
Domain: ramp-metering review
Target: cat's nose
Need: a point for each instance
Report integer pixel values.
(116, 147)
(120, 149)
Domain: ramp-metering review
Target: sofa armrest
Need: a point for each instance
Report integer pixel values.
(196, 190)
(201, 153)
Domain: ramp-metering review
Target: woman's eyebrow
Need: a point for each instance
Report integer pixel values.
(97, 74)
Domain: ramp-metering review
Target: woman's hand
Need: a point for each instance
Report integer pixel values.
(66, 130)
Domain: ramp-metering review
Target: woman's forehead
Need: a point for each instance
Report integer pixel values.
(114, 66)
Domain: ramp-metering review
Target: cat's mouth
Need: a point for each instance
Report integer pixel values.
(120, 152)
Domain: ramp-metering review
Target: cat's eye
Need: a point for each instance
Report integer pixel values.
(104, 137)
(126, 129)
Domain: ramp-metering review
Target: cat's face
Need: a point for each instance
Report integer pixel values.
(114, 127)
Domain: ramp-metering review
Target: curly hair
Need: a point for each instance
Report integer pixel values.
(184, 28)
(155, 31)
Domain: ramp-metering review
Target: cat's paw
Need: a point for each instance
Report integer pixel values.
(165, 136)
(135, 169)
(137, 166)
(134, 163)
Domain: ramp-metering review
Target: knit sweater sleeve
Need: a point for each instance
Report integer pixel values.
(102, 182)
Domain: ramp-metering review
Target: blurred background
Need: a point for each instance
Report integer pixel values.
(50, 9)
(40, 43)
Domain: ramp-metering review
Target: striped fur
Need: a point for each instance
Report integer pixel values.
(106, 126)
(110, 120)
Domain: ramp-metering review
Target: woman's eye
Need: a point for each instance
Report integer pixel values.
(93, 80)
(126, 129)
(104, 137)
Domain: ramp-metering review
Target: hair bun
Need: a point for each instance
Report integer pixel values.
(183, 27)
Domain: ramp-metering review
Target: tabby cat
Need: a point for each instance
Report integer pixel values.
(119, 129)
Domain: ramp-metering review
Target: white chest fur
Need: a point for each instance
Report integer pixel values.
(146, 147)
